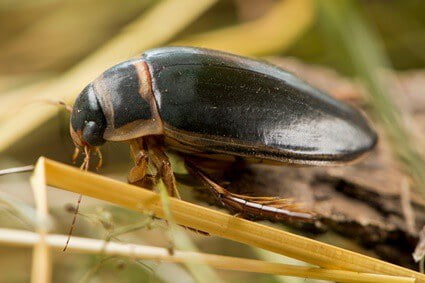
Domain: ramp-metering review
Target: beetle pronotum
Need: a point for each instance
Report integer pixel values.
(217, 106)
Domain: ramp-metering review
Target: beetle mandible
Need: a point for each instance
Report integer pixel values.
(217, 106)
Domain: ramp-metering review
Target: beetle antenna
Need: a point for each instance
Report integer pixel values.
(86, 163)
(85, 167)
(62, 103)
(67, 106)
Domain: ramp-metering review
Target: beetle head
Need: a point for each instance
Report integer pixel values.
(88, 122)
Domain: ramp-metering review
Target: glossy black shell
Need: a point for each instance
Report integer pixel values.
(222, 103)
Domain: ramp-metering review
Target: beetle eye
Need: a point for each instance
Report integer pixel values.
(93, 134)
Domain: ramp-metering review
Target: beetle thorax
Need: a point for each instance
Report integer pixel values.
(125, 95)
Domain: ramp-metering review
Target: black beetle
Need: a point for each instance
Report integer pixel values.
(217, 106)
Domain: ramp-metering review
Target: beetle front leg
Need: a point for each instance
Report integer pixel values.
(273, 208)
(163, 165)
(139, 153)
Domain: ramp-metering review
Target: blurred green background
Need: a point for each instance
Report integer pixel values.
(50, 36)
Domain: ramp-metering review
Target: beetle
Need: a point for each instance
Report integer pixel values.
(211, 105)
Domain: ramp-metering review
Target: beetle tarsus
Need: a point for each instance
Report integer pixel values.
(163, 165)
(100, 158)
(273, 208)
(267, 207)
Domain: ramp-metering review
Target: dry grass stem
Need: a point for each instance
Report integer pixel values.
(21, 169)
(153, 28)
(13, 100)
(41, 260)
(19, 209)
(201, 273)
(274, 32)
(218, 223)
(92, 246)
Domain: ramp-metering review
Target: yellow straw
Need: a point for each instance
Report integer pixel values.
(274, 32)
(92, 246)
(41, 261)
(218, 223)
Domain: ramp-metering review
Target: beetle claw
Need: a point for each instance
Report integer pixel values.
(100, 156)
(75, 154)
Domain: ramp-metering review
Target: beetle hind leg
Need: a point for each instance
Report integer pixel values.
(273, 208)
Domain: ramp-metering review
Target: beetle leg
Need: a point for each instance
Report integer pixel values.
(139, 153)
(273, 208)
(163, 165)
